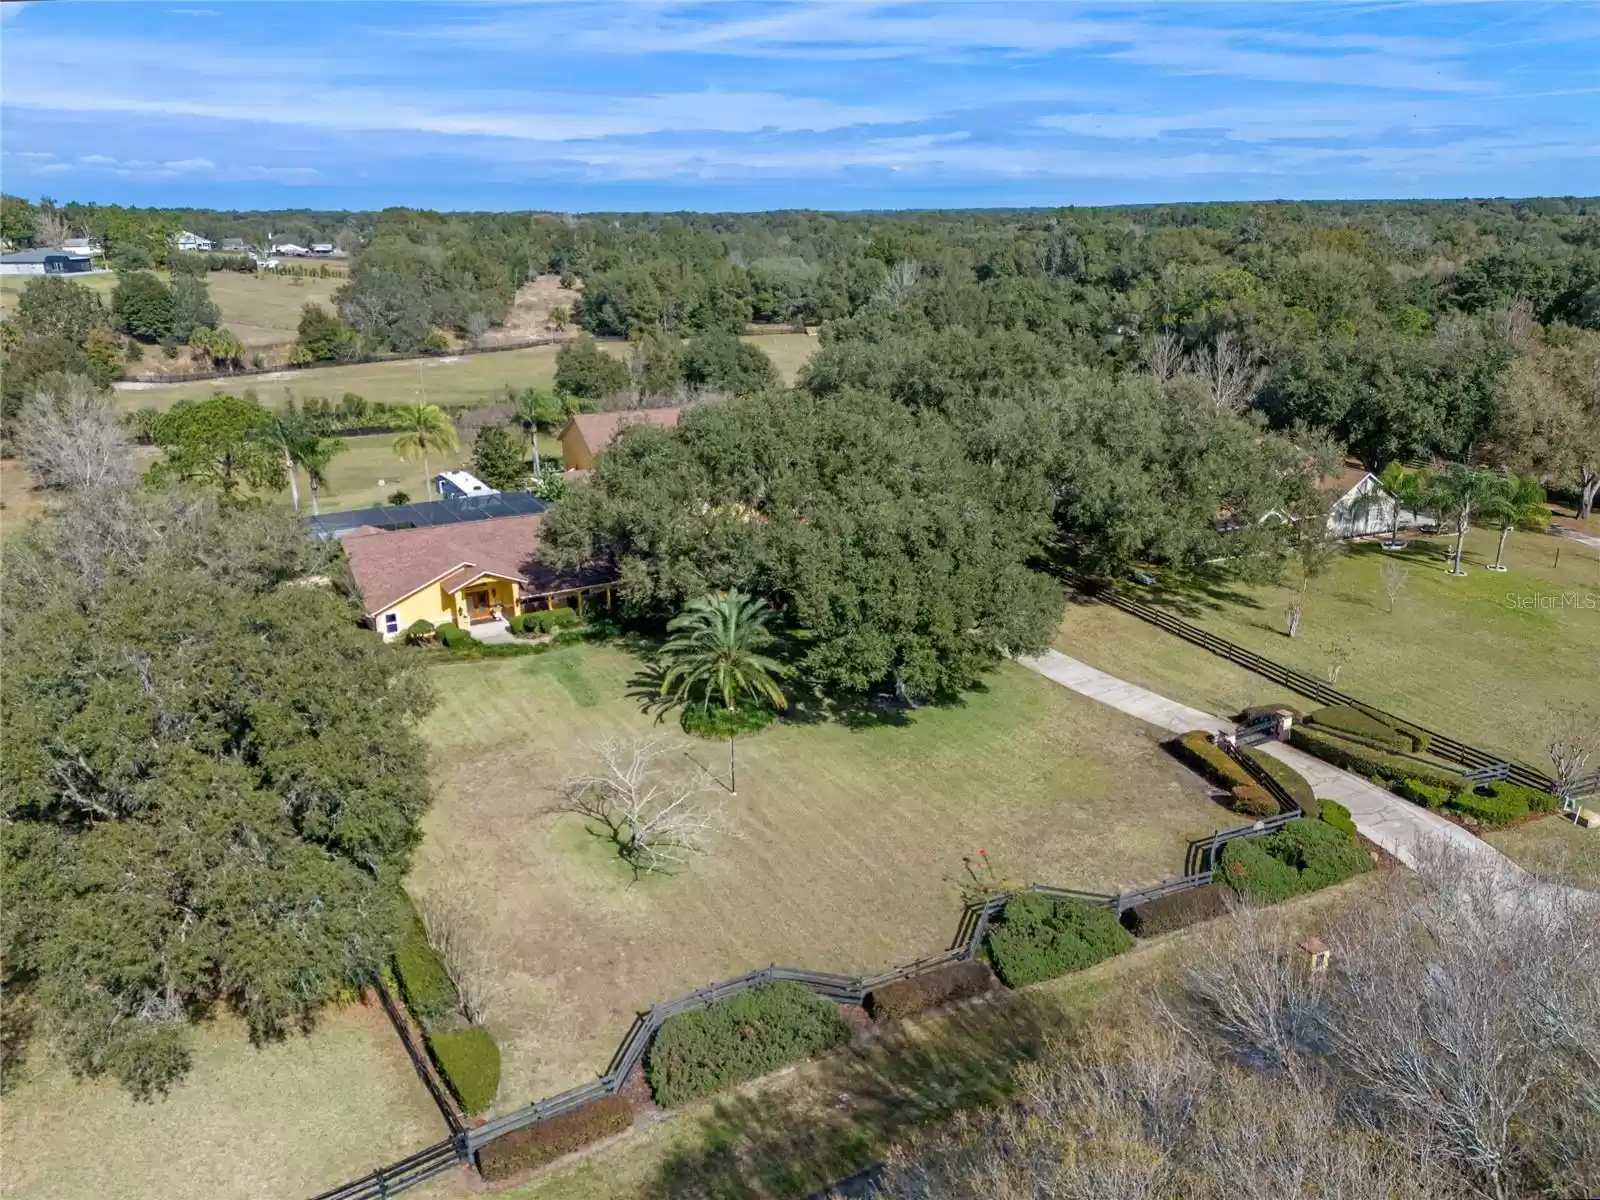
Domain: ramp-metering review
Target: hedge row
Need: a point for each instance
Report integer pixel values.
(535, 624)
(424, 985)
(1177, 911)
(944, 985)
(740, 1038)
(1389, 769)
(469, 1060)
(1335, 814)
(1246, 796)
(451, 635)
(1501, 803)
(1287, 778)
(1039, 937)
(1346, 718)
(1303, 856)
(524, 1149)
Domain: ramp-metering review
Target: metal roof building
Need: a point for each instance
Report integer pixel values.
(433, 512)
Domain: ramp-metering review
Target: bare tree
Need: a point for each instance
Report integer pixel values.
(50, 228)
(1293, 613)
(1231, 378)
(1571, 747)
(657, 821)
(70, 438)
(464, 951)
(1394, 578)
(900, 282)
(1340, 650)
(1164, 357)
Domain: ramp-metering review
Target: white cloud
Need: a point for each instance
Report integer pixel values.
(189, 164)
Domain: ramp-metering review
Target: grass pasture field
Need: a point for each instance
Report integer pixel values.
(287, 1119)
(1490, 658)
(846, 851)
(369, 471)
(452, 379)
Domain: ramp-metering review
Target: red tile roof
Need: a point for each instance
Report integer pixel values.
(599, 428)
(389, 565)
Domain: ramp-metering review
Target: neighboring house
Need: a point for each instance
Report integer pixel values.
(45, 262)
(234, 246)
(1358, 505)
(87, 247)
(288, 248)
(184, 240)
(587, 434)
(462, 485)
(322, 248)
(472, 573)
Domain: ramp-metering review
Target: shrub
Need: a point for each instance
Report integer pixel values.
(1209, 760)
(943, 985)
(1039, 937)
(1346, 718)
(469, 1060)
(424, 985)
(1255, 874)
(1429, 795)
(1490, 808)
(1374, 764)
(1177, 911)
(535, 1145)
(1534, 799)
(452, 635)
(718, 723)
(418, 632)
(1253, 800)
(1337, 815)
(740, 1038)
(1287, 778)
(1322, 854)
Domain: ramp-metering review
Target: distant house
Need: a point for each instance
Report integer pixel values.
(288, 248)
(462, 485)
(587, 434)
(1359, 506)
(476, 573)
(184, 240)
(45, 262)
(322, 248)
(87, 247)
(234, 246)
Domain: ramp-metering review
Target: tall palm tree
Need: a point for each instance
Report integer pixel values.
(315, 456)
(1514, 503)
(1406, 489)
(525, 411)
(1457, 494)
(422, 429)
(287, 434)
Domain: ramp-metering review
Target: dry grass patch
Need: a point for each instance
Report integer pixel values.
(849, 840)
(289, 1119)
(1552, 847)
(264, 310)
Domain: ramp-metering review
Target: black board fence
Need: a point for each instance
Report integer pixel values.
(464, 1144)
(1439, 744)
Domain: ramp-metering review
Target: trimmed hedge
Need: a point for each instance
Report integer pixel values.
(1253, 800)
(452, 635)
(1303, 856)
(469, 1060)
(1337, 815)
(424, 986)
(1534, 799)
(740, 1038)
(1197, 749)
(1388, 769)
(943, 985)
(1177, 911)
(1503, 802)
(1347, 718)
(536, 624)
(1429, 795)
(1287, 778)
(535, 1145)
(1039, 937)
(717, 723)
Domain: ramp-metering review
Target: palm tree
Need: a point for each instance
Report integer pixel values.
(422, 429)
(315, 456)
(1514, 503)
(1457, 494)
(1406, 489)
(287, 434)
(716, 650)
(525, 411)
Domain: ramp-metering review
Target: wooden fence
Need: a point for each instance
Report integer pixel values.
(464, 1144)
(1440, 745)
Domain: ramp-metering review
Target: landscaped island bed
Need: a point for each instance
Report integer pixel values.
(1491, 658)
(848, 854)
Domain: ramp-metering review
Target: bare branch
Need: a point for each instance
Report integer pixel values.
(1231, 378)
(1164, 357)
(464, 950)
(71, 438)
(657, 821)
(1394, 578)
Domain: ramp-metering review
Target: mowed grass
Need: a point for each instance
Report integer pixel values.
(466, 379)
(288, 1119)
(846, 852)
(1489, 658)
(1553, 847)
(11, 287)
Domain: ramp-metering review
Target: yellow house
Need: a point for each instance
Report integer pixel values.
(587, 434)
(471, 573)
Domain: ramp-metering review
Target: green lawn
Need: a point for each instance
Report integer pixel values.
(1488, 658)
(846, 851)
(288, 1119)
(369, 471)
(457, 379)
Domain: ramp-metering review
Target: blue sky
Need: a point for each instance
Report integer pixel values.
(657, 105)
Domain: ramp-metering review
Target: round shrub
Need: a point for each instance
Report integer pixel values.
(719, 723)
(1256, 875)
(1039, 937)
(740, 1038)
(1320, 853)
(1337, 815)
(452, 636)
(418, 632)
(469, 1060)
(1429, 795)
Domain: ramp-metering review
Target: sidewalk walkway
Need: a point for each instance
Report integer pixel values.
(1382, 817)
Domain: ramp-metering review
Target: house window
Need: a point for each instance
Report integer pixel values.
(391, 622)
